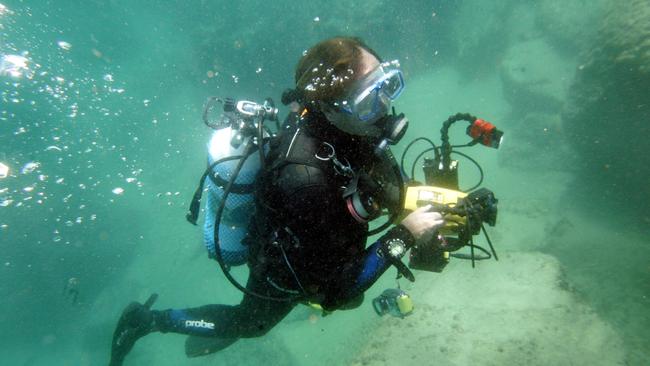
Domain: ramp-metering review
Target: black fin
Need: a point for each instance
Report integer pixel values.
(126, 334)
(196, 346)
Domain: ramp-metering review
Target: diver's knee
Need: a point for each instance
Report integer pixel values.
(353, 303)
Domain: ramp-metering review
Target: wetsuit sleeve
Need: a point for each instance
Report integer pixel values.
(375, 261)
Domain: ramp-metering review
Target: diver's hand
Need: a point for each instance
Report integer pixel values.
(423, 222)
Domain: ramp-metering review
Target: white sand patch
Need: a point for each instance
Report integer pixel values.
(515, 312)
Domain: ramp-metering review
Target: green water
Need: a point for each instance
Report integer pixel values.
(100, 130)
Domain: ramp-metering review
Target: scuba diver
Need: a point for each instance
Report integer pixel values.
(326, 175)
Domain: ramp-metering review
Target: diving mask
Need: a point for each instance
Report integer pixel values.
(374, 93)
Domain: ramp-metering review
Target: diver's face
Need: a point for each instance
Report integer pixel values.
(347, 123)
(368, 62)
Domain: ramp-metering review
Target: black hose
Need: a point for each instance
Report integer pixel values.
(402, 196)
(260, 141)
(247, 152)
(193, 214)
(207, 108)
(480, 170)
(433, 146)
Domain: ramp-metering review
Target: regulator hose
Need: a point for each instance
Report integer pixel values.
(250, 147)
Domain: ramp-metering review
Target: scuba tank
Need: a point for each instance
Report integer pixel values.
(230, 177)
(240, 202)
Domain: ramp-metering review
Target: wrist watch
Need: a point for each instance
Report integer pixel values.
(395, 247)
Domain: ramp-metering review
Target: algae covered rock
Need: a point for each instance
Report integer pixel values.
(625, 37)
(535, 76)
(606, 117)
(569, 23)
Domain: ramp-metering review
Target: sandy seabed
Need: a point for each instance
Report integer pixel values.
(519, 311)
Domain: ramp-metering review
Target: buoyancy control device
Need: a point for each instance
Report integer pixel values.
(239, 133)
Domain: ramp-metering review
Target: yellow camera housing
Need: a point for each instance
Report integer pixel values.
(419, 196)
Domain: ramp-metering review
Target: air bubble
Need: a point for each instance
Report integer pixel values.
(30, 167)
(4, 171)
(64, 45)
(15, 66)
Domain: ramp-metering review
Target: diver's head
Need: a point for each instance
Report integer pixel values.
(344, 80)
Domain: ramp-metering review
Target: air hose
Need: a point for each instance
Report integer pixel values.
(249, 149)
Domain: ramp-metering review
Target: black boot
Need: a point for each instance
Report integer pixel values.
(137, 320)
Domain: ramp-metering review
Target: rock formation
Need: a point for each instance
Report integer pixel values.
(608, 112)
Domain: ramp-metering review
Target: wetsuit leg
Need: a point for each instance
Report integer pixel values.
(253, 317)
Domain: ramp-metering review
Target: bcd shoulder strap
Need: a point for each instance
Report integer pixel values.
(298, 148)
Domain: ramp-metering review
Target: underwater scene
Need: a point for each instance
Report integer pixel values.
(530, 120)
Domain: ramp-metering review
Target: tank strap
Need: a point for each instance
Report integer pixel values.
(236, 188)
(299, 148)
(193, 213)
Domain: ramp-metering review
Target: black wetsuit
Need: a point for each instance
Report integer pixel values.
(304, 245)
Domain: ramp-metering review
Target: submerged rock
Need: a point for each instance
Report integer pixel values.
(535, 76)
(569, 23)
(606, 117)
(538, 143)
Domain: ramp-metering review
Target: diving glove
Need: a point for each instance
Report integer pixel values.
(137, 320)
